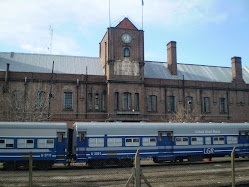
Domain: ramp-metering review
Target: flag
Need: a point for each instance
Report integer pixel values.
(142, 2)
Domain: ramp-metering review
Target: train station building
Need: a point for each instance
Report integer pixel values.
(120, 85)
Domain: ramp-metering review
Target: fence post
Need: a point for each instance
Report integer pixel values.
(138, 170)
(137, 173)
(233, 167)
(30, 169)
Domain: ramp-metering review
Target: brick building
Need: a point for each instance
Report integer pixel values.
(120, 85)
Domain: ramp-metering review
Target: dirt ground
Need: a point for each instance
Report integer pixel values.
(215, 173)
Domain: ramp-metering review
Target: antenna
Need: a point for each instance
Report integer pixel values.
(51, 39)
(110, 13)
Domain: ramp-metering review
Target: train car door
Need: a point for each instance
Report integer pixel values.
(244, 141)
(82, 144)
(165, 142)
(61, 147)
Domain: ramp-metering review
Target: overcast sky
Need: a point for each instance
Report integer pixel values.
(207, 32)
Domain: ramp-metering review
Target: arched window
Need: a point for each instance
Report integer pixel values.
(126, 52)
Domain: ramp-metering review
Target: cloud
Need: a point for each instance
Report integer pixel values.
(25, 23)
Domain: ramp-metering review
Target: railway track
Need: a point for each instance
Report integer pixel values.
(214, 173)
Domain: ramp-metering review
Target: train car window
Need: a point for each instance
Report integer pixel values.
(219, 140)
(149, 141)
(181, 141)
(160, 136)
(232, 140)
(60, 136)
(21, 143)
(50, 143)
(30, 144)
(96, 142)
(45, 143)
(24, 143)
(114, 142)
(41, 143)
(197, 140)
(185, 141)
(169, 136)
(2, 143)
(132, 142)
(82, 136)
(10, 143)
(30, 141)
(246, 134)
(208, 140)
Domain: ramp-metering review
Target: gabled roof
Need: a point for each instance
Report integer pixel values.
(159, 70)
(126, 24)
(42, 63)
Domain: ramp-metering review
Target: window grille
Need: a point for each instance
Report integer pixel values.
(152, 103)
(68, 100)
(171, 104)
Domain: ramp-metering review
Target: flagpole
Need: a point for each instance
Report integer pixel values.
(142, 14)
(110, 13)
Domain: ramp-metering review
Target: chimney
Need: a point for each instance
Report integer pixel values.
(171, 57)
(236, 69)
(7, 73)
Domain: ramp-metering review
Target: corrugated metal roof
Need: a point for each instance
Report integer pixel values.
(159, 70)
(41, 63)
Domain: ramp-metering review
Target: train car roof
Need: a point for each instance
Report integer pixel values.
(32, 125)
(98, 128)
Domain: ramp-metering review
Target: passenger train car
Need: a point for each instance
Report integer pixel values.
(99, 143)
(46, 141)
(104, 143)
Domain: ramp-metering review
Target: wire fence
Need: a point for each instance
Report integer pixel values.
(217, 172)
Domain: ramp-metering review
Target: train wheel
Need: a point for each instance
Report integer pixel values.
(10, 165)
(43, 165)
(96, 164)
(126, 163)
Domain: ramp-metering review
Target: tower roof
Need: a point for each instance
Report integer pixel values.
(126, 24)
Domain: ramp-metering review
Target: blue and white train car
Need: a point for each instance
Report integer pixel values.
(103, 143)
(46, 141)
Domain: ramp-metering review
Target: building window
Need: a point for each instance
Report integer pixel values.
(96, 101)
(152, 103)
(116, 101)
(189, 104)
(17, 99)
(90, 101)
(40, 100)
(103, 101)
(68, 100)
(126, 100)
(126, 52)
(223, 105)
(136, 101)
(171, 104)
(206, 104)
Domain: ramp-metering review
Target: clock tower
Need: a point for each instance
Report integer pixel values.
(122, 52)
(122, 57)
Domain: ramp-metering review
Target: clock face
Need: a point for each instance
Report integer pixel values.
(126, 38)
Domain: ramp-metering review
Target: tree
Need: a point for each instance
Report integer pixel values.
(25, 102)
(186, 114)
